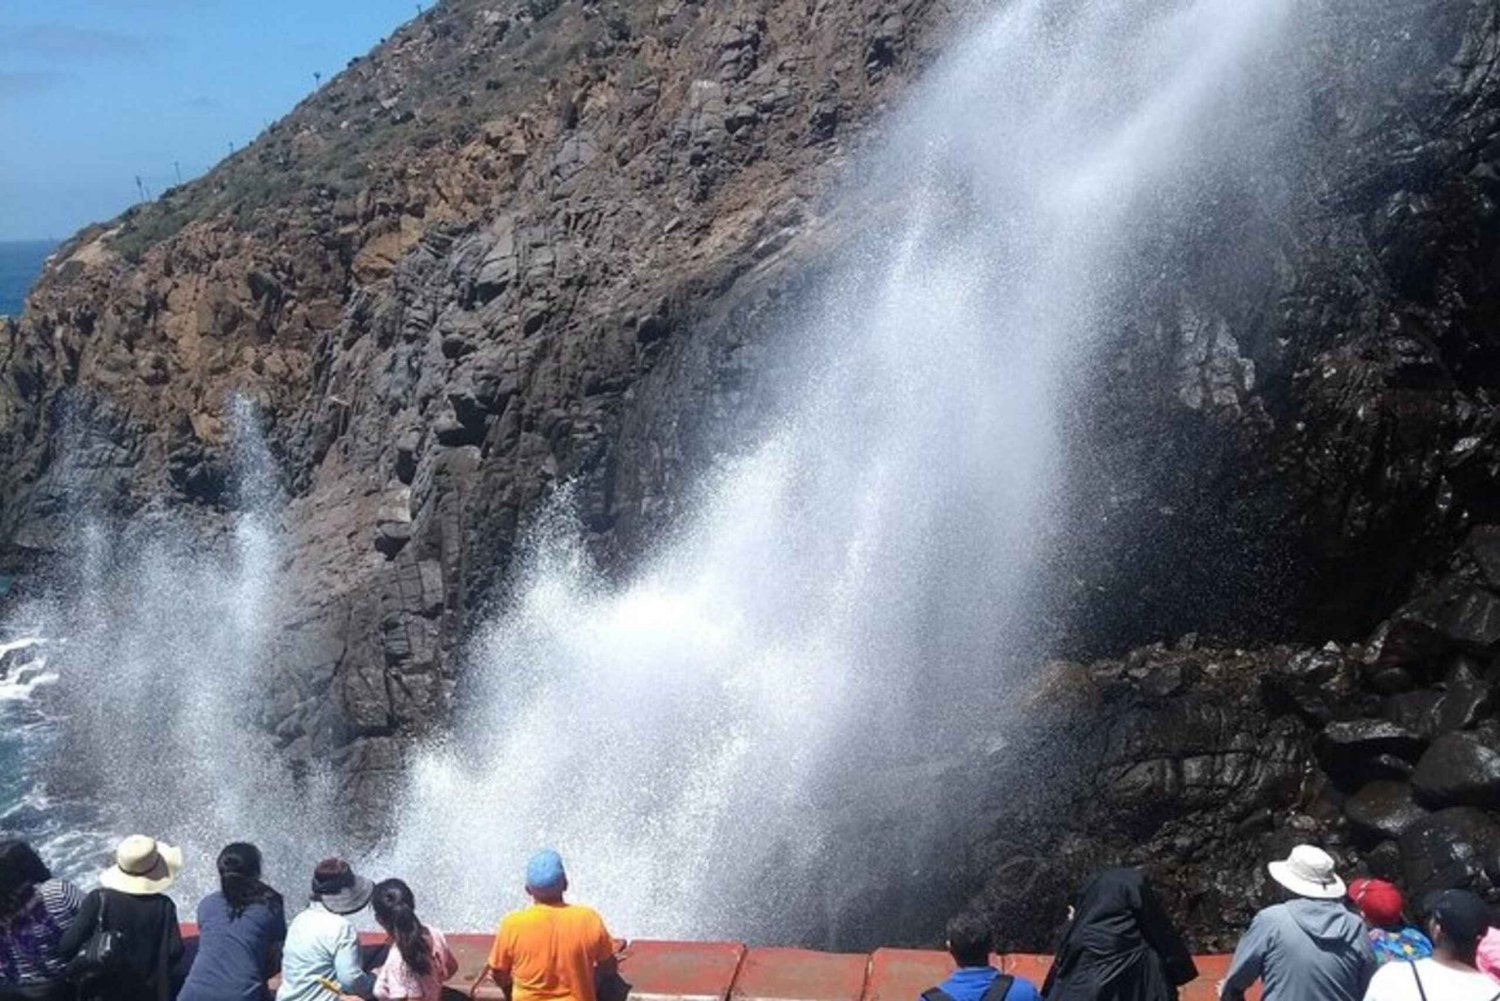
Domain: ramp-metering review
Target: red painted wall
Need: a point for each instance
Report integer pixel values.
(731, 971)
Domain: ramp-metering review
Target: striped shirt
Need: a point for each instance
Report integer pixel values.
(29, 937)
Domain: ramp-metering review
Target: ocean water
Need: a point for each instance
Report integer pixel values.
(65, 826)
(20, 263)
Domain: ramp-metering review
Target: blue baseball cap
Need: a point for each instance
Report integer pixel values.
(544, 873)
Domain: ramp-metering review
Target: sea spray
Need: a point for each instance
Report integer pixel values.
(848, 595)
(162, 664)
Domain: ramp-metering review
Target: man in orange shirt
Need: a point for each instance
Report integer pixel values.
(550, 951)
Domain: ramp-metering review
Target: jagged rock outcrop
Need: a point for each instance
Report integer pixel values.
(443, 285)
(1202, 763)
(532, 242)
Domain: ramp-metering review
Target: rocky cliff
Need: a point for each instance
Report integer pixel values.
(526, 244)
(460, 273)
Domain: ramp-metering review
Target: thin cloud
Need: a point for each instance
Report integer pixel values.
(69, 43)
(205, 103)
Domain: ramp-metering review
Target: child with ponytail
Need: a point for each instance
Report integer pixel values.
(419, 959)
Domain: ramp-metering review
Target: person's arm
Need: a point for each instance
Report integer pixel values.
(277, 937)
(71, 899)
(1369, 963)
(346, 966)
(497, 967)
(602, 950)
(82, 927)
(1249, 959)
(1163, 937)
(449, 961)
(175, 948)
(385, 984)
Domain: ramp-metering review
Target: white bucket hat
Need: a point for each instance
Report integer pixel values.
(1308, 872)
(142, 866)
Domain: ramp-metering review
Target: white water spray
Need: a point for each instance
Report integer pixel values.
(847, 596)
(162, 668)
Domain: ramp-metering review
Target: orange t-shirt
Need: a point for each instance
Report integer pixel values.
(550, 951)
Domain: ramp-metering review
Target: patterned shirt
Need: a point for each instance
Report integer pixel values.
(397, 980)
(29, 937)
(1407, 945)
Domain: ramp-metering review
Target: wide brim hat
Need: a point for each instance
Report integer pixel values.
(1309, 872)
(339, 888)
(351, 898)
(142, 866)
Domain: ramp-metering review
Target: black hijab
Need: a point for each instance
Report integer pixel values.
(1120, 945)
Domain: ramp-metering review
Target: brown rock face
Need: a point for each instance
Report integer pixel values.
(445, 283)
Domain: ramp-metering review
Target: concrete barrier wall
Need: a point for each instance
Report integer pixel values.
(732, 971)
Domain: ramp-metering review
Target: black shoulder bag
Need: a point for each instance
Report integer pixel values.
(996, 992)
(103, 953)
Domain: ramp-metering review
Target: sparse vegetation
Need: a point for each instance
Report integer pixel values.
(372, 120)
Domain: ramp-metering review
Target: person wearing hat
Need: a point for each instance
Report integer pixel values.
(552, 950)
(322, 946)
(1380, 904)
(1309, 948)
(131, 901)
(1456, 921)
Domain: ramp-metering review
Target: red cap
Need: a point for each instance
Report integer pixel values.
(1379, 902)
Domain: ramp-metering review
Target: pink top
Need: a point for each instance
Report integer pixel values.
(397, 980)
(1488, 958)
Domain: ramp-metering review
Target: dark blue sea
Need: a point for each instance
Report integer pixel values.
(20, 263)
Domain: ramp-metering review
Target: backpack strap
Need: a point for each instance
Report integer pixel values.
(1418, 977)
(999, 988)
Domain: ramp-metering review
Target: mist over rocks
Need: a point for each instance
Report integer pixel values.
(525, 245)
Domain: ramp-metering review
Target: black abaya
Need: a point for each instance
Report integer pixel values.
(1120, 945)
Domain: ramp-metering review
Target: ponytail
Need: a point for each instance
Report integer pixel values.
(239, 878)
(396, 910)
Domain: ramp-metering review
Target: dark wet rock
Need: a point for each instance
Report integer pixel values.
(1420, 712)
(1456, 847)
(1459, 769)
(1322, 685)
(1472, 621)
(1409, 647)
(1464, 704)
(1357, 751)
(1384, 862)
(1483, 547)
(1383, 810)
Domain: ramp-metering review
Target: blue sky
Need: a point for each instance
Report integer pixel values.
(95, 92)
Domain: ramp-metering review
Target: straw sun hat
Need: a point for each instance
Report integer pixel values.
(142, 866)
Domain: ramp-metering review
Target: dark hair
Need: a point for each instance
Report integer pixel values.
(239, 878)
(396, 910)
(21, 869)
(970, 940)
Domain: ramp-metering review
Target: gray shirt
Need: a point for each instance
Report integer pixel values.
(1303, 950)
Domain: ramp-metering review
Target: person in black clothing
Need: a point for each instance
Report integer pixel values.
(1119, 945)
(131, 902)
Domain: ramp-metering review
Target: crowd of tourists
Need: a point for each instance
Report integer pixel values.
(121, 942)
